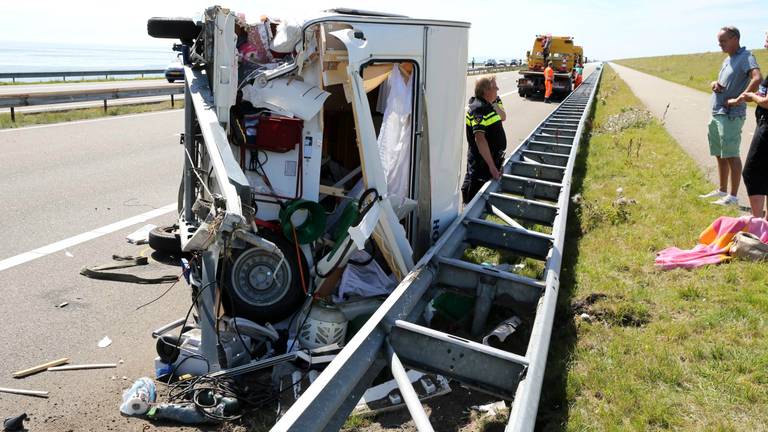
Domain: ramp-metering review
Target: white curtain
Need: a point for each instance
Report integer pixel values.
(395, 135)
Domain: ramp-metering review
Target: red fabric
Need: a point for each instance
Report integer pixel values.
(714, 243)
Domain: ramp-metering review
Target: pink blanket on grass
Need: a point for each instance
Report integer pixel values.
(714, 243)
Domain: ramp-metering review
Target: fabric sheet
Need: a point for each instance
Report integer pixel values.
(395, 135)
(714, 243)
(363, 281)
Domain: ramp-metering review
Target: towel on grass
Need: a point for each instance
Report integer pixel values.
(714, 243)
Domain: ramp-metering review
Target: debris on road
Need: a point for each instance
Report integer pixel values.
(137, 399)
(62, 305)
(36, 393)
(98, 272)
(140, 236)
(105, 342)
(16, 423)
(40, 368)
(83, 366)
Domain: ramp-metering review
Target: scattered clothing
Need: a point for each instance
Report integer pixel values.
(367, 280)
(714, 243)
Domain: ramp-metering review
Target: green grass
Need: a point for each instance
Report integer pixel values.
(692, 70)
(30, 119)
(662, 350)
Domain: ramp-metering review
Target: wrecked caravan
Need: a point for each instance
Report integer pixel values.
(308, 144)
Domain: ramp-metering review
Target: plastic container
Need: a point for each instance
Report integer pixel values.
(136, 400)
(276, 133)
(325, 325)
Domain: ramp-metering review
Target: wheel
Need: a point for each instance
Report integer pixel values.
(173, 28)
(262, 287)
(165, 239)
(171, 80)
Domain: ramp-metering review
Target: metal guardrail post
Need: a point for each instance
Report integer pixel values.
(13, 115)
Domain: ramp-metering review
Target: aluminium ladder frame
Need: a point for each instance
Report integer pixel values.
(538, 171)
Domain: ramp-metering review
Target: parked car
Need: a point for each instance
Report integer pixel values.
(175, 71)
(513, 62)
(490, 62)
(502, 63)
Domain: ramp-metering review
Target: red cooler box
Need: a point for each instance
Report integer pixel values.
(278, 134)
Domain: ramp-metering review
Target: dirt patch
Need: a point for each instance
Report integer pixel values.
(612, 310)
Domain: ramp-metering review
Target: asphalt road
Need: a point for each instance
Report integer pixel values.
(63, 180)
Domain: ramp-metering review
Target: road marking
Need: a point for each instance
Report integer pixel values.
(84, 237)
(25, 128)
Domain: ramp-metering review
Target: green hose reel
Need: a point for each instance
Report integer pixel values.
(312, 227)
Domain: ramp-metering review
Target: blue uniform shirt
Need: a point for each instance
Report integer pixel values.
(735, 75)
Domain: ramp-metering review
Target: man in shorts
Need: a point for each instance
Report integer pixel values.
(739, 73)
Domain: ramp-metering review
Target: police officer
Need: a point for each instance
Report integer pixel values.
(485, 135)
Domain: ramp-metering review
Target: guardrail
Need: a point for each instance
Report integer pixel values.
(64, 74)
(480, 70)
(13, 101)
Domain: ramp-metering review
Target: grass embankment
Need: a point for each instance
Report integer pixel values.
(682, 350)
(29, 119)
(692, 70)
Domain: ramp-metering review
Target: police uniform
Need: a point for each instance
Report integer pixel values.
(481, 117)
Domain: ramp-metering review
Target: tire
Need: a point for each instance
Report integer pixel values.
(171, 80)
(173, 28)
(165, 239)
(281, 297)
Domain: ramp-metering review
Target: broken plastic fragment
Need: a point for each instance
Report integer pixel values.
(105, 342)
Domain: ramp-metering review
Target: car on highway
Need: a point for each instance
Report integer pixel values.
(502, 63)
(490, 62)
(175, 70)
(513, 62)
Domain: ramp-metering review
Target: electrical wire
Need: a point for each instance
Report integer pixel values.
(164, 292)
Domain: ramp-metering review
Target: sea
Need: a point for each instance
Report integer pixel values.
(52, 57)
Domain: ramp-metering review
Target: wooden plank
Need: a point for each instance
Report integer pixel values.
(36, 393)
(83, 366)
(40, 368)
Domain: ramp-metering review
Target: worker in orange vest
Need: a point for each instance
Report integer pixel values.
(549, 79)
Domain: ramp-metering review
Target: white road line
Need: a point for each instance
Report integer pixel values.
(25, 128)
(84, 237)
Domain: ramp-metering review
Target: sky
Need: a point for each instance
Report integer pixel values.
(502, 29)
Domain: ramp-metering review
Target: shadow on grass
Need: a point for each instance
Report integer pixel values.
(554, 405)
